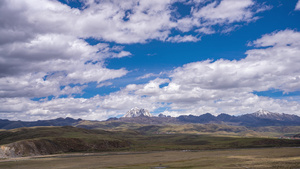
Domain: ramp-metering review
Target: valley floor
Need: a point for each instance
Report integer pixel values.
(233, 158)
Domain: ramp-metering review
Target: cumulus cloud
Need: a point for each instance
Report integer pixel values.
(95, 108)
(26, 109)
(225, 86)
(133, 21)
(43, 52)
(221, 86)
(274, 67)
(40, 66)
(226, 11)
(40, 39)
(279, 38)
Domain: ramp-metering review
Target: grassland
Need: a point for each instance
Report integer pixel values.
(53, 140)
(269, 158)
(123, 145)
(215, 129)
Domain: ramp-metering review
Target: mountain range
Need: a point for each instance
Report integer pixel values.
(259, 118)
(7, 124)
(143, 116)
(256, 119)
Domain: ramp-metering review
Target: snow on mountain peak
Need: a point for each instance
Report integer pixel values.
(137, 112)
(267, 114)
(263, 112)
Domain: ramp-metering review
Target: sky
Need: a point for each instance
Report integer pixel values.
(95, 59)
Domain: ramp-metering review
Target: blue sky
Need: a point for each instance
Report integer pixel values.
(95, 59)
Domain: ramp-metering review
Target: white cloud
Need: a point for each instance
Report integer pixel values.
(297, 5)
(26, 109)
(104, 84)
(151, 88)
(220, 16)
(185, 38)
(146, 76)
(227, 11)
(104, 20)
(225, 86)
(93, 73)
(262, 69)
(38, 67)
(42, 48)
(280, 38)
(206, 30)
(56, 51)
(187, 23)
(95, 108)
(221, 86)
(122, 54)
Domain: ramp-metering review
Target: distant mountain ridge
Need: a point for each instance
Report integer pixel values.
(256, 119)
(143, 116)
(259, 118)
(7, 124)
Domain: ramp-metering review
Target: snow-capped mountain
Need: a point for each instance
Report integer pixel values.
(264, 114)
(256, 119)
(267, 115)
(259, 118)
(137, 112)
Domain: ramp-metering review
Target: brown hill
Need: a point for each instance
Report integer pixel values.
(53, 140)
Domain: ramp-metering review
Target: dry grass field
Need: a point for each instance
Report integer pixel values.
(147, 147)
(270, 158)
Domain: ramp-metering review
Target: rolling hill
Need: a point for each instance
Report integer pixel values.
(35, 141)
(52, 140)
